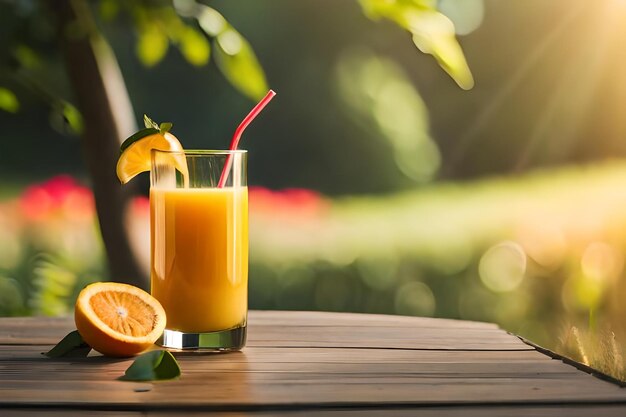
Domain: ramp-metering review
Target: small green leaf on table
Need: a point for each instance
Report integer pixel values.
(71, 346)
(152, 366)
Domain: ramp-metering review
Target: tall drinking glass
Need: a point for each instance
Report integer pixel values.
(199, 248)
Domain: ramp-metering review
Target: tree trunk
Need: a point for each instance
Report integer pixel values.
(103, 101)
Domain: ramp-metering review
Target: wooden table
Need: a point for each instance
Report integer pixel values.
(303, 363)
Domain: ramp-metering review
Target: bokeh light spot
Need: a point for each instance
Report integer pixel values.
(467, 15)
(415, 299)
(377, 274)
(230, 41)
(503, 266)
(601, 261)
(544, 243)
(581, 293)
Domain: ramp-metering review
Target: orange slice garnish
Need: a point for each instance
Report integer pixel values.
(135, 152)
(118, 319)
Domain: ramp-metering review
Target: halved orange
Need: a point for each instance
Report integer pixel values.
(118, 319)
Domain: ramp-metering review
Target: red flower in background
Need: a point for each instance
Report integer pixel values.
(292, 202)
(140, 206)
(59, 195)
(63, 195)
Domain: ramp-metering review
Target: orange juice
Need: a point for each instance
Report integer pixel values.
(199, 249)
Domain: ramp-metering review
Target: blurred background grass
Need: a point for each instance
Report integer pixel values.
(378, 185)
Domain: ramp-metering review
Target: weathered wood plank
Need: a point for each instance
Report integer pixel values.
(291, 333)
(34, 330)
(322, 318)
(463, 411)
(274, 318)
(25, 368)
(519, 411)
(218, 390)
(327, 355)
(384, 337)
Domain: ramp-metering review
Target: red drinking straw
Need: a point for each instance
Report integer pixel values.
(234, 143)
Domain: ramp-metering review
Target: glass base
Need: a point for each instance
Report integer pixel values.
(222, 341)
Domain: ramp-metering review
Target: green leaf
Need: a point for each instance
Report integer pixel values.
(149, 123)
(152, 366)
(73, 118)
(27, 57)
(66, 118)
(108, 9)
(165, 127)
(194, 46)
(236, 60)
(8, 101)
(71, 346)
(152, 45)
(152, 127)
(376, 9)
(433, 33)
(138, 135)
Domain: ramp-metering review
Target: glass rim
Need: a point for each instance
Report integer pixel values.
(203, 152)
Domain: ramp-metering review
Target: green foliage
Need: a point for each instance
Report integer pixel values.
(54, 283)
(65, 117)
(233, 54)
(27, 57)
(433, 32)
(158, 26)
(8, 101)
(382, 98)
(190, 27)
(152, 45)
(194, 46)
(108, 9)
(72, 117)
(11, 299)
(597, 349)
(153, 366)
(198, 32)
(237, 61)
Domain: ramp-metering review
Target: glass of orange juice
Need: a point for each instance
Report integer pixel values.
(199, 248)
